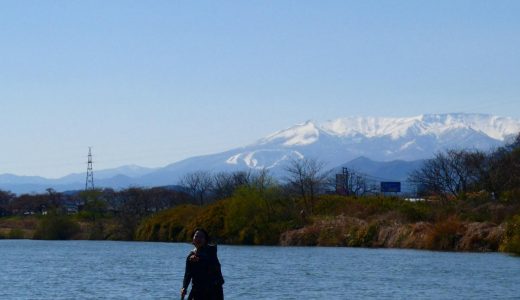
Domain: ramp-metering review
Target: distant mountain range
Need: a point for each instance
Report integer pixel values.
(121, 177)
(386, 148)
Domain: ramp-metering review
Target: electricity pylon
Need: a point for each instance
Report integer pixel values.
(89, 183)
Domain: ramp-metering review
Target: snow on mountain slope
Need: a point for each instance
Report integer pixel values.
(338, 141)
(495, 127)
(299, 135)
(383, 139)
(334, 142)
(356, 129)
(259, 159)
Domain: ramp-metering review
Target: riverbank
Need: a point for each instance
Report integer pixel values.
(58, 228)
(18, 227)
(253, 217)
(450, 235)
(472, 224)
(341, 231)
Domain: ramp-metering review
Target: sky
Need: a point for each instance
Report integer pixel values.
(154, 82)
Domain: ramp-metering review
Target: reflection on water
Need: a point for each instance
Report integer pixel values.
(135, 270)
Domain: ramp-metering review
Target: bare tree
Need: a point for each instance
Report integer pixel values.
(241, 178)
(198, 184)
(359, 184)
(306, 176)
(223, 186)
(5, 198)
(54, 197)
(262, 180)
(450, 173)
(503, 172)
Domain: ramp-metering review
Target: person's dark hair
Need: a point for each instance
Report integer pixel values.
(206, 235)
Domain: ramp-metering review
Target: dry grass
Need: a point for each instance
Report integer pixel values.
(445, 234)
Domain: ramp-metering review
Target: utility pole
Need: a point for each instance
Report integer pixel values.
(89, 183)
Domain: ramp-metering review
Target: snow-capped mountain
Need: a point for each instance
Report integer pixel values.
(383, 139)
(334, 142)
(339, 141)
(495, 127)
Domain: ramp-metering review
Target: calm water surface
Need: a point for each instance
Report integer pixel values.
(135, 270)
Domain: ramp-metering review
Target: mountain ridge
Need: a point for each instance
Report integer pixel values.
(335, 142)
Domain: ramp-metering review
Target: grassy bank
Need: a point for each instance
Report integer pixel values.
(18, 227)
(255, 218)
(58, 227)
(271, 217)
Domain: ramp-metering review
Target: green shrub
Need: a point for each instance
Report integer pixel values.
(370, 234)
(16, 233)
(211, 218)
(96, 231)
(171, 225)
(353, 237)
(56, 227)
(511, 241)
(331, 205)
(362, 235)
(244, 212)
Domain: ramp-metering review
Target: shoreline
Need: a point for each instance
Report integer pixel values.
(471, 237)
(259, 246)
(392, 223)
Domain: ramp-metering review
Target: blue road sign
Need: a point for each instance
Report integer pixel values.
(390, 187)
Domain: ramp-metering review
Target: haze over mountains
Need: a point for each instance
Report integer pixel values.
(382, 147)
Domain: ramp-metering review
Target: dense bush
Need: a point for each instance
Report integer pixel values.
(511, 241)
(362, 236)
(210, 218)
(56, 227)
(253, 216)
(370, 206)
(250, 216)
(16, 233)
(444, 235)
(169, 225)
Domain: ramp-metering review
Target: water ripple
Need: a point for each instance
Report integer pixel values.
(134, 270)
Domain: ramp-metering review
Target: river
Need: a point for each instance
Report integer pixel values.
(140, 270)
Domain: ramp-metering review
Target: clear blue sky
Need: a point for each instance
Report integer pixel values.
(153, 82)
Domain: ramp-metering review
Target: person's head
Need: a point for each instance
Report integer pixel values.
(200, 237)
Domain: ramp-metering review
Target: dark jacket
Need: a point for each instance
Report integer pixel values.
(205, 274)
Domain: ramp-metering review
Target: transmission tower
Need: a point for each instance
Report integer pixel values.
(89, 183)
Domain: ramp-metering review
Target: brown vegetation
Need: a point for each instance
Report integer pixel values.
(18, 227)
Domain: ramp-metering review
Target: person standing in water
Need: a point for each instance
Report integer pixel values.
(203, 270)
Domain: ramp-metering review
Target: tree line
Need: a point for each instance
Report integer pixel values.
(455, 173)
(448, 175)
(128, 207)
